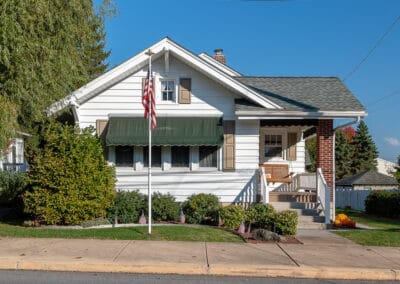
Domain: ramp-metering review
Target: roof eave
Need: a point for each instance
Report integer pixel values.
(271, 114)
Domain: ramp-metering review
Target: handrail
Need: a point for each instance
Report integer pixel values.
(264, 187)
(323, 195)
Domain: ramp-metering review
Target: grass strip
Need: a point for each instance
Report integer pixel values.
(161, 233)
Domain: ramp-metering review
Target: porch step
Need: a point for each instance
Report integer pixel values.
(310, 216)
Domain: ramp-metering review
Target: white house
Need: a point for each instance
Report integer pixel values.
(215, 126)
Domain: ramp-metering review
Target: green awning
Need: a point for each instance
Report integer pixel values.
(178, 131)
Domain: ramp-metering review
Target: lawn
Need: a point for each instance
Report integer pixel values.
(165, 233)
(386, 232)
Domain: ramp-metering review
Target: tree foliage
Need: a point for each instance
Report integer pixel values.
(70, 181)
(343, 155)
(365, 152)
(48, 48)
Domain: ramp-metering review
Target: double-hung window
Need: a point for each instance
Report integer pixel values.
(168, 90)
(273, 147)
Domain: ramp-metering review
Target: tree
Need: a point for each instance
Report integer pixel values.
(397, 173)
(311, 148)
(343, 155)
(365, 152)
(48, 48)
(70, 181)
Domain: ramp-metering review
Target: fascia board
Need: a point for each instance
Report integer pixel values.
(222, 67)
(299, 114)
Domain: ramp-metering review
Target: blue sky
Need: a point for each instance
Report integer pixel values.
(282, 38)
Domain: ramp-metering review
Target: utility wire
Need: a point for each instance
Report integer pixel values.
(397, 92)
(355, 69)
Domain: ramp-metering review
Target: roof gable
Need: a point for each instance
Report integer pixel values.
(140, 60)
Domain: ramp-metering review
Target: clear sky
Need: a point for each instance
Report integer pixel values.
(282, 38)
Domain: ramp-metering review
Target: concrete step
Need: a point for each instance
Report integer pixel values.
(280, 206)
(311, 219)
(312, 226)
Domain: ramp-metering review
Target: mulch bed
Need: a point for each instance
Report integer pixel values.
(248, 238)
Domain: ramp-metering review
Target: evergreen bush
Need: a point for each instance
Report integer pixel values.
(12, 187)
(70, 181)
(285, 222)
(164, 207)
(201, 208)
(261, 216)
(232, 216)
(383, 203)
(127, 207)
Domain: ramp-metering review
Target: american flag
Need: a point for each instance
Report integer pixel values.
(147, 94)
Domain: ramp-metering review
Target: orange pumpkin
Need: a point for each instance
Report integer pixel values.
(342, 217)
(337, 223)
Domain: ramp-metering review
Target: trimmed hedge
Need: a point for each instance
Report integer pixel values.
(164, 207)
(383, 203)
(201, 208)
(232, 216)
(127, 207)
(285, 222)
(261, 216)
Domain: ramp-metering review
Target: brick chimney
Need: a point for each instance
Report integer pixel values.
(219, 56)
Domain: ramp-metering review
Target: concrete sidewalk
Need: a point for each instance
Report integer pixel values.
(322, 255)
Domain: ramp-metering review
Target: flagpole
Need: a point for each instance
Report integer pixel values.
(149, 53)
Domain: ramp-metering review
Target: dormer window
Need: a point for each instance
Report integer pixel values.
(168, 90)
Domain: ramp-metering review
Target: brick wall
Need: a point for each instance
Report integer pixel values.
(325, 153)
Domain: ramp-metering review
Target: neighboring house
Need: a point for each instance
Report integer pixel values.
(214, 125)
(372, 180)
(12, 159)
(386, 167)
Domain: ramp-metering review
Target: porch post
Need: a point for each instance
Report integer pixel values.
(325, 152)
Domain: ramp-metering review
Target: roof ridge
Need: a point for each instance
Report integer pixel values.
(325, 77)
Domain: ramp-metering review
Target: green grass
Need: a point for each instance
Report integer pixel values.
(167, 233)
(386, 231)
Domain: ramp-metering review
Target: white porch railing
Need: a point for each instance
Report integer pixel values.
(323, 195)
(264, 187)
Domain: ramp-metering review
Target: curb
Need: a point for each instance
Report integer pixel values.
(216, 270)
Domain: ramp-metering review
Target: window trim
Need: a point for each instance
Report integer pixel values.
(269, 131)
(174, 94)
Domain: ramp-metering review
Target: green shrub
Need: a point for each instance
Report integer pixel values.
(127, 207)
(12, 187)
(70, 181)
(383, 203)
(285, 222)
(232, 216)
(261, 216)
(164, 207)
(201, 208)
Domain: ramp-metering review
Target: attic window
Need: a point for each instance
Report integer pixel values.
(168, 90)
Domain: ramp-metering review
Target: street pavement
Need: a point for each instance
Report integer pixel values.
(322, 255)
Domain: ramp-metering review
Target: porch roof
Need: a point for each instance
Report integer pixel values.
(323, 95)
(178, 131)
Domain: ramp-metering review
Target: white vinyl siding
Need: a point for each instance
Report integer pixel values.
(238, 186)
(207, 97)
(247, 144)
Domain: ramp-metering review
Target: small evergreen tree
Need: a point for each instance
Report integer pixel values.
(343, 155)
(70, 181)
(365, 152)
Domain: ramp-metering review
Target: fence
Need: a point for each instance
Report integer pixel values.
(350, 197)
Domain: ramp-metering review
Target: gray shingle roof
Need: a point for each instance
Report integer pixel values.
(368, 178)
(303, 93)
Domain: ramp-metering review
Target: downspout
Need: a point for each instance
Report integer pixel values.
(356, 120)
